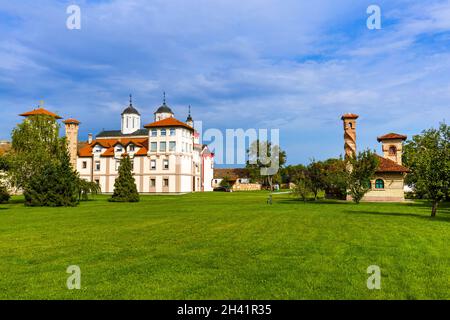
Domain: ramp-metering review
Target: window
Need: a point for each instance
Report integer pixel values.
(162, 147)
(119, 149)
(97, 181)
(154, 147)
(166, 164)
(84, 165)
(392, 151)
(117, 165)
(165, 182)
(153, 165)
(350, 125)
(172, 132)
(154, 133)
(163, 132)
(131, 148)
(152, 183)
(132, 165)
(369, 184)
(172, 146)
(98, 149)
(379, 184)
(97, 166)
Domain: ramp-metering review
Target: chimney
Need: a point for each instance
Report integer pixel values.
(72, 127)
(349, 120)
(90, 138)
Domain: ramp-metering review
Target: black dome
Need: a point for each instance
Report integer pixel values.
(164, 109)
(130, 110)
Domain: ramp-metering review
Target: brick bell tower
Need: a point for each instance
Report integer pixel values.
(72, 127)
(349, 120)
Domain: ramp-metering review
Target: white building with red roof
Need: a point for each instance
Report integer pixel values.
(167, 155)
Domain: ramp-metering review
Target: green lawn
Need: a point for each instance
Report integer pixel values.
(224, 246)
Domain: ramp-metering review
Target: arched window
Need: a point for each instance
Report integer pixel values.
(392, 150)
(369, 184)
(379, 184)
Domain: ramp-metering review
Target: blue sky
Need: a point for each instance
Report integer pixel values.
(292, 64)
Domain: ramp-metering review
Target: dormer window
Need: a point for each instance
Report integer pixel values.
(132, 148)
(98, 149)
(119, 149)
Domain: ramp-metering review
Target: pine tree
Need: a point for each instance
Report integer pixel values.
(55, 185)
(125, 189)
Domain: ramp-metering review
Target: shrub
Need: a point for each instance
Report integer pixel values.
(4, 194)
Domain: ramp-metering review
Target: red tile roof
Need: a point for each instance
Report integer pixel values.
(392, 136)
(350, 116)
(71, 121)
(387, 165)
(40, 111)
(109, 144)
(168, 122)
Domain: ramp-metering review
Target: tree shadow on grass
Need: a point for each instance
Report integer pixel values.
(441, 217)
(311, 201)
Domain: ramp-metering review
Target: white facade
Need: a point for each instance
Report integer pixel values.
(166, 157)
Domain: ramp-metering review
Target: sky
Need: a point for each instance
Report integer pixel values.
(292, 65)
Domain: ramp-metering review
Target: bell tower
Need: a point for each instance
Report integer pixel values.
(72, 127)
(392, 146)
(349, 120)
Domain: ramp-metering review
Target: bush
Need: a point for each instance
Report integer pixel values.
(4, 195)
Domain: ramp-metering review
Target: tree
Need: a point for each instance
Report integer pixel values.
(292, 173)
(361, 170)
(35, 142)
(226, 182)
(264, 162)
(316, 176)
(85, 188)
(428, 157)
(56, 185)
(335, 178)
(4, 194)
(302, 186)
(125, 189)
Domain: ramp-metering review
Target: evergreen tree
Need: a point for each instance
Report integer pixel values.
(125, 189)
(55, 185)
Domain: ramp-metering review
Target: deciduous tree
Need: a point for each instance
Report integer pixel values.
(428, 157)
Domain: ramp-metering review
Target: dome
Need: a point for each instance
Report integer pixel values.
(164, 109)
(131, 110)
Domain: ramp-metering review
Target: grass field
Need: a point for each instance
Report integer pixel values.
(224, 246)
